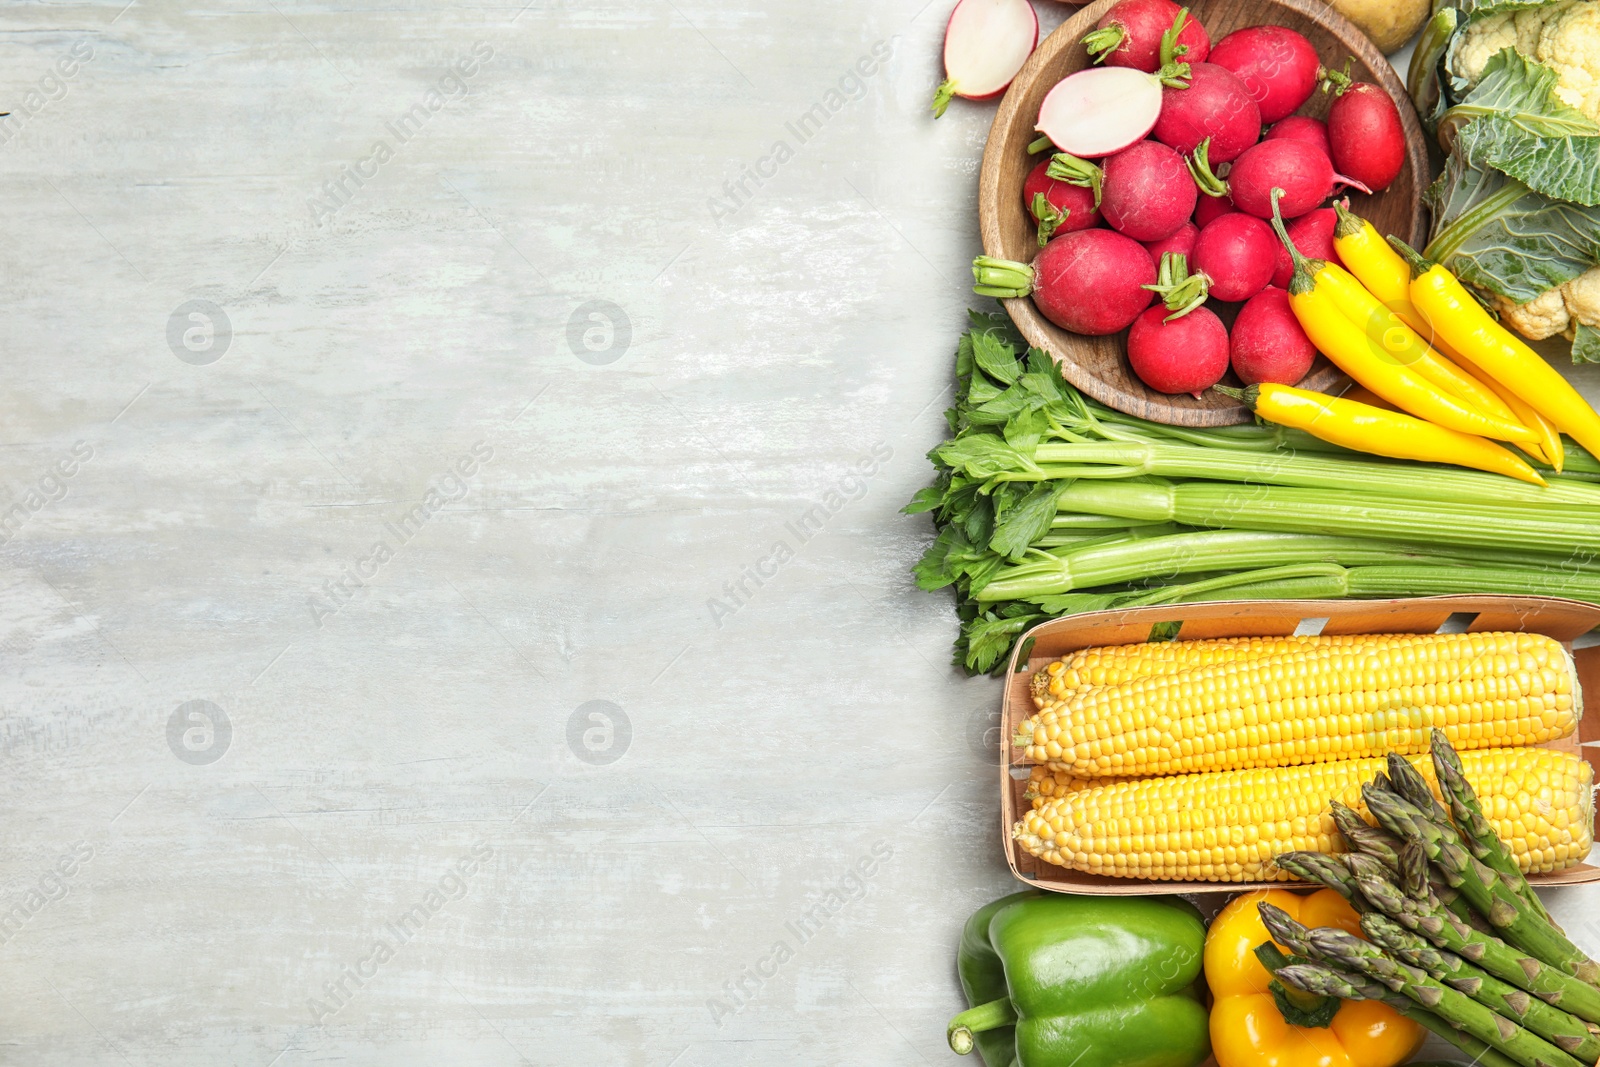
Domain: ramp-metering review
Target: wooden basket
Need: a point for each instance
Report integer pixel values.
(1554, 617)
(1098, 365)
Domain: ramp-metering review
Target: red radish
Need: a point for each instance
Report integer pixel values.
(1368, 142)
(1207, 208)
(1303, 173)
(1278, 66)
(1181, 242)
(1268, 344)
(1184, 351)
(1234, 254)
(1131, 35)
(1301, 128)
(1215, 105)
(1066, 206)
(1148, 191)
(1101, 110)
(1089, 281)
(985, 44)
(1312, 234)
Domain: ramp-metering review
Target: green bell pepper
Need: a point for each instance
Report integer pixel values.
(1069, 981)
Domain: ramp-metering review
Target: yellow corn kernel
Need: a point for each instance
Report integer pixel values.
(1226, 826)
(1318, 702)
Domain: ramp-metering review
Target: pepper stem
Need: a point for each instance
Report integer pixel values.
(1102, 42)
(1419, 266)
(1066, 167)
(1039, 144)
(1049, 217)
(1199, 165)
(975, 1020)
(1301, 281)
(1180, 291)
(1349, 223)
(942, 97)
(1297, 1007)
(1003, 278)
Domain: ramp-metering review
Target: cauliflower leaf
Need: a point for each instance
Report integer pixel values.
(1528, 131)
(1494, 232)
(1586, 345)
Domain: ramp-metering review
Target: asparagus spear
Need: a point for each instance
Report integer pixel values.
(1481, 839)
(1566, 1032)
(1285, 930)
(1457, 904)
(1363, 837)
(1483, 887)
(1412, 870)
(1323, 980)
(1487, 951)
(1409, 783)
(1527, 1048)
(1328, 870)
(1417, 880)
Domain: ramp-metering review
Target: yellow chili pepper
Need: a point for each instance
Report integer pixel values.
(1382, 433)
(1352, 348)
(1401, 343)
(1464, 325)
(1549, 449)
(1387, 278)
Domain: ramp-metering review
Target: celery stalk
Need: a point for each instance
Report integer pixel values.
(1314, 511)
(1073, 568)
(1440, 483)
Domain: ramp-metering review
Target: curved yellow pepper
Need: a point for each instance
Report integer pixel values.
(1462, 323)
(1352, 348)
(1247, 1030)
(1365, 428)
(1387, 278)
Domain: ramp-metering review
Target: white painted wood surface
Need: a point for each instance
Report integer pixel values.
(407, 725)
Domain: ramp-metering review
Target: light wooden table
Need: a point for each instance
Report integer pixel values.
(405, 405)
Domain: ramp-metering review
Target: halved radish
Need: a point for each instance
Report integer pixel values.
(985, 44)
(1101, 110)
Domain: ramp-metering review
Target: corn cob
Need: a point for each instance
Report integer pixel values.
(1327, 702)
(1106, 665)
(1044, 785)
(1226, 826)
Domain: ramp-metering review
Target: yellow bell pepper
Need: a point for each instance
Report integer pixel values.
(1248, 1029)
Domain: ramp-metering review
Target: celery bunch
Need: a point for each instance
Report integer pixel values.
(1047, 503)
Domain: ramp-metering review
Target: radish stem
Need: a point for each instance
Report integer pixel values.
(1179, 290)
(1002, 278)
(1066, 167)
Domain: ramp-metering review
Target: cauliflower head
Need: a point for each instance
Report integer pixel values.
(1544, 316)
(1555, 311)
(1582, 299)
(1564, 36)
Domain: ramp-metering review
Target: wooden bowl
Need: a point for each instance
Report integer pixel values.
(1099, 365)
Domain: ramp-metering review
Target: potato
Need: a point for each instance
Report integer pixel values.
(1389, 23)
